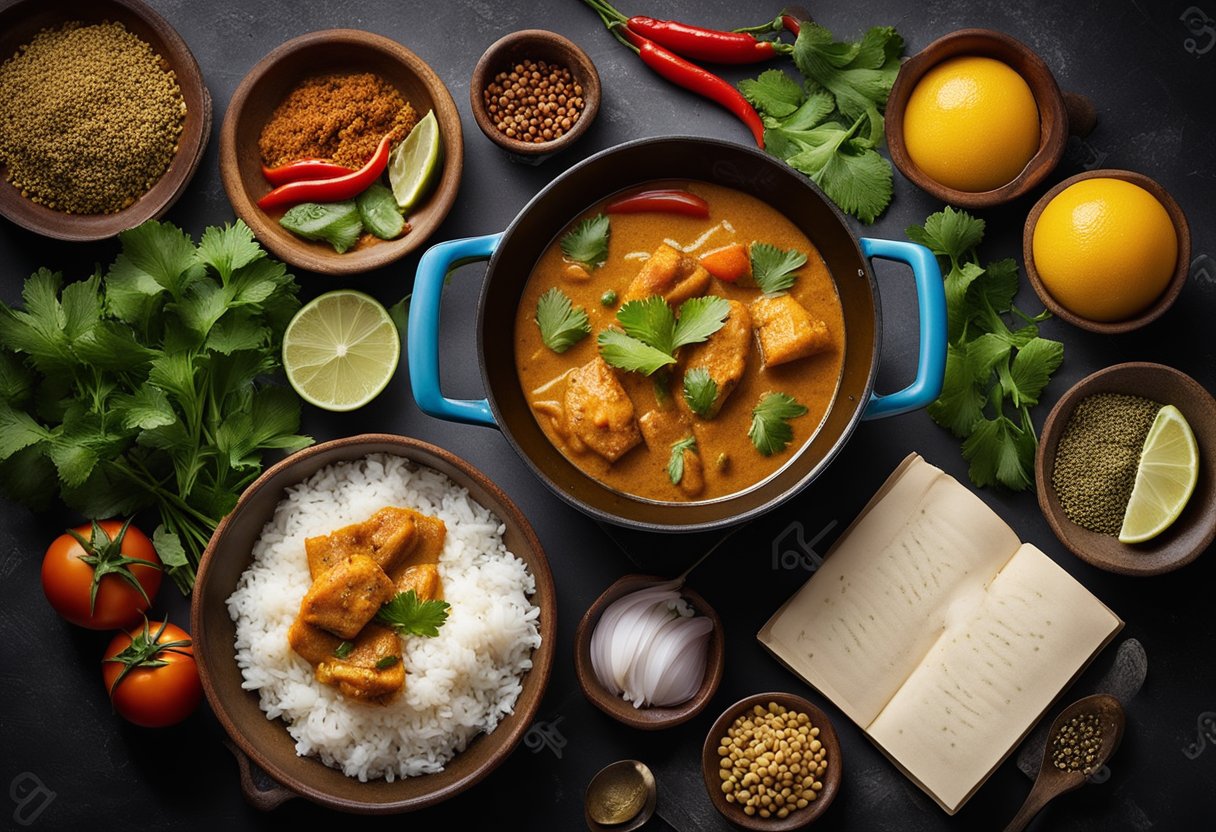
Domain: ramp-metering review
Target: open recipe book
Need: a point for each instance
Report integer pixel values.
(938, 632)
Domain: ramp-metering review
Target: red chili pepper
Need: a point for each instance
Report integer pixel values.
(702, 44)
(329, 190)
(304, 169)
(791, 23)
(661, 201)
(692, 77)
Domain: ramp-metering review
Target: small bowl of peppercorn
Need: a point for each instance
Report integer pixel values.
(771, 762)
(1090, 457)
(533, 93)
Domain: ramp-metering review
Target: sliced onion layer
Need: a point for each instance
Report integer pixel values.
(650, 647)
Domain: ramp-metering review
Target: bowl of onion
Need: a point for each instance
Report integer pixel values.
(649, 652)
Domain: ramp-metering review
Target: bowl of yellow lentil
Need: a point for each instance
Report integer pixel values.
(1087, 461)
(772, 762)
(533, 93)
(331, 98)
(114, 128)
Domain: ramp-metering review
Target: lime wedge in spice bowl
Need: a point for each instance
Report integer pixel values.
(414, 162)
(1165, 479)
(340, 350)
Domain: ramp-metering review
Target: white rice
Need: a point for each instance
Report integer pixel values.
(458, 684)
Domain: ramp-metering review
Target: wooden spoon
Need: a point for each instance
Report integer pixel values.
(1052, 781)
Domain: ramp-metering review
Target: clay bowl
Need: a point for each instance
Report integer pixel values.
(19, 22)
(1053, 113)
(654, 718)
(272, 79)
(1168, 295)
(1194, 530)
(710, 763)
(538, 45)
(260, 743)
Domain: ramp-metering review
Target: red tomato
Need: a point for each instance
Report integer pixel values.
(114, 558)
(144, 693)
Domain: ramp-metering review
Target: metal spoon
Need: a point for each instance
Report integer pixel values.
(1053, 781)
(621, 797)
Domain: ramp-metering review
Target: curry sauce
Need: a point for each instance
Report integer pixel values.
(637, 417)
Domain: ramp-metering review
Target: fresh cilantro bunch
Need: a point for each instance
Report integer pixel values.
(988, 364)
(146, 386)
(829, 126)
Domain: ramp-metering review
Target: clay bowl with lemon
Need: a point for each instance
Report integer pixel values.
(977, 119)
(341, 212)
(1151, 470)
(1107, 250)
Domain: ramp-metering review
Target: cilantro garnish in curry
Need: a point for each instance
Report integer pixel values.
(718, 364)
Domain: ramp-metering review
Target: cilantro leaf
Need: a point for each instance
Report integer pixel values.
(773, 269)
(859, 74)
(228, 249)
(700, 392)
(700, 318)
(675, 465)
(343, 650)
(388, 661)
(587, 242)
(996, 450)
(628, 353)
(949, 233)
(774, 93)
(653, 333)
(770, 431)
(411, 617)
(169, 547)
(562, 324)
(1031, 370)
(18, 430)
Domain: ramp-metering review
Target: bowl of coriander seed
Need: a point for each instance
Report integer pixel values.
(533, 93)
(104, 116)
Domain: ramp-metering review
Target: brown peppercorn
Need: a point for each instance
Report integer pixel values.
(534, 93)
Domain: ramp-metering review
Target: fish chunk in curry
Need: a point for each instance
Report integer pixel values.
(683, 414)
(356, 571)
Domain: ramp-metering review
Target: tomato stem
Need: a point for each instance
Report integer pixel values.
(104, 554)
(144, 650)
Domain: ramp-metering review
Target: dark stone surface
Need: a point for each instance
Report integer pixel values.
(1151, 79)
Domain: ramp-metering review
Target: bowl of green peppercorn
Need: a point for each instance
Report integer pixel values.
(1090, 458)
(105, 116)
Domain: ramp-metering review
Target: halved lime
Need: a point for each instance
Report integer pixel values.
(340, 350)
(415, 161)
(1169, 469)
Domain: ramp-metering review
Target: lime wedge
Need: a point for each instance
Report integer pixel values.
(1169, 469)
(415, 161)
(340, 350)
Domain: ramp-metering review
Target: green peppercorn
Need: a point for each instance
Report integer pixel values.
(608, 298)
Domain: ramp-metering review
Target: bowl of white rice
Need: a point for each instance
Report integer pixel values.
(470, 693)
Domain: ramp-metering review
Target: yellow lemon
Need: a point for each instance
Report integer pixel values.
(971, 123)
(1105, 248)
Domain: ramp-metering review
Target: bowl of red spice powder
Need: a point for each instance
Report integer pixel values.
(104, 116)
(331, 97)
(1088, 455)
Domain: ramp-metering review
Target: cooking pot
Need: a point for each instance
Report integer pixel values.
(514, 252)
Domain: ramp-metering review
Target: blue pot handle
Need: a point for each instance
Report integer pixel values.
(422, 334)
(931, 302)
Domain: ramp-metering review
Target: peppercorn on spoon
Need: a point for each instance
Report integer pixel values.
(1094, 723)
